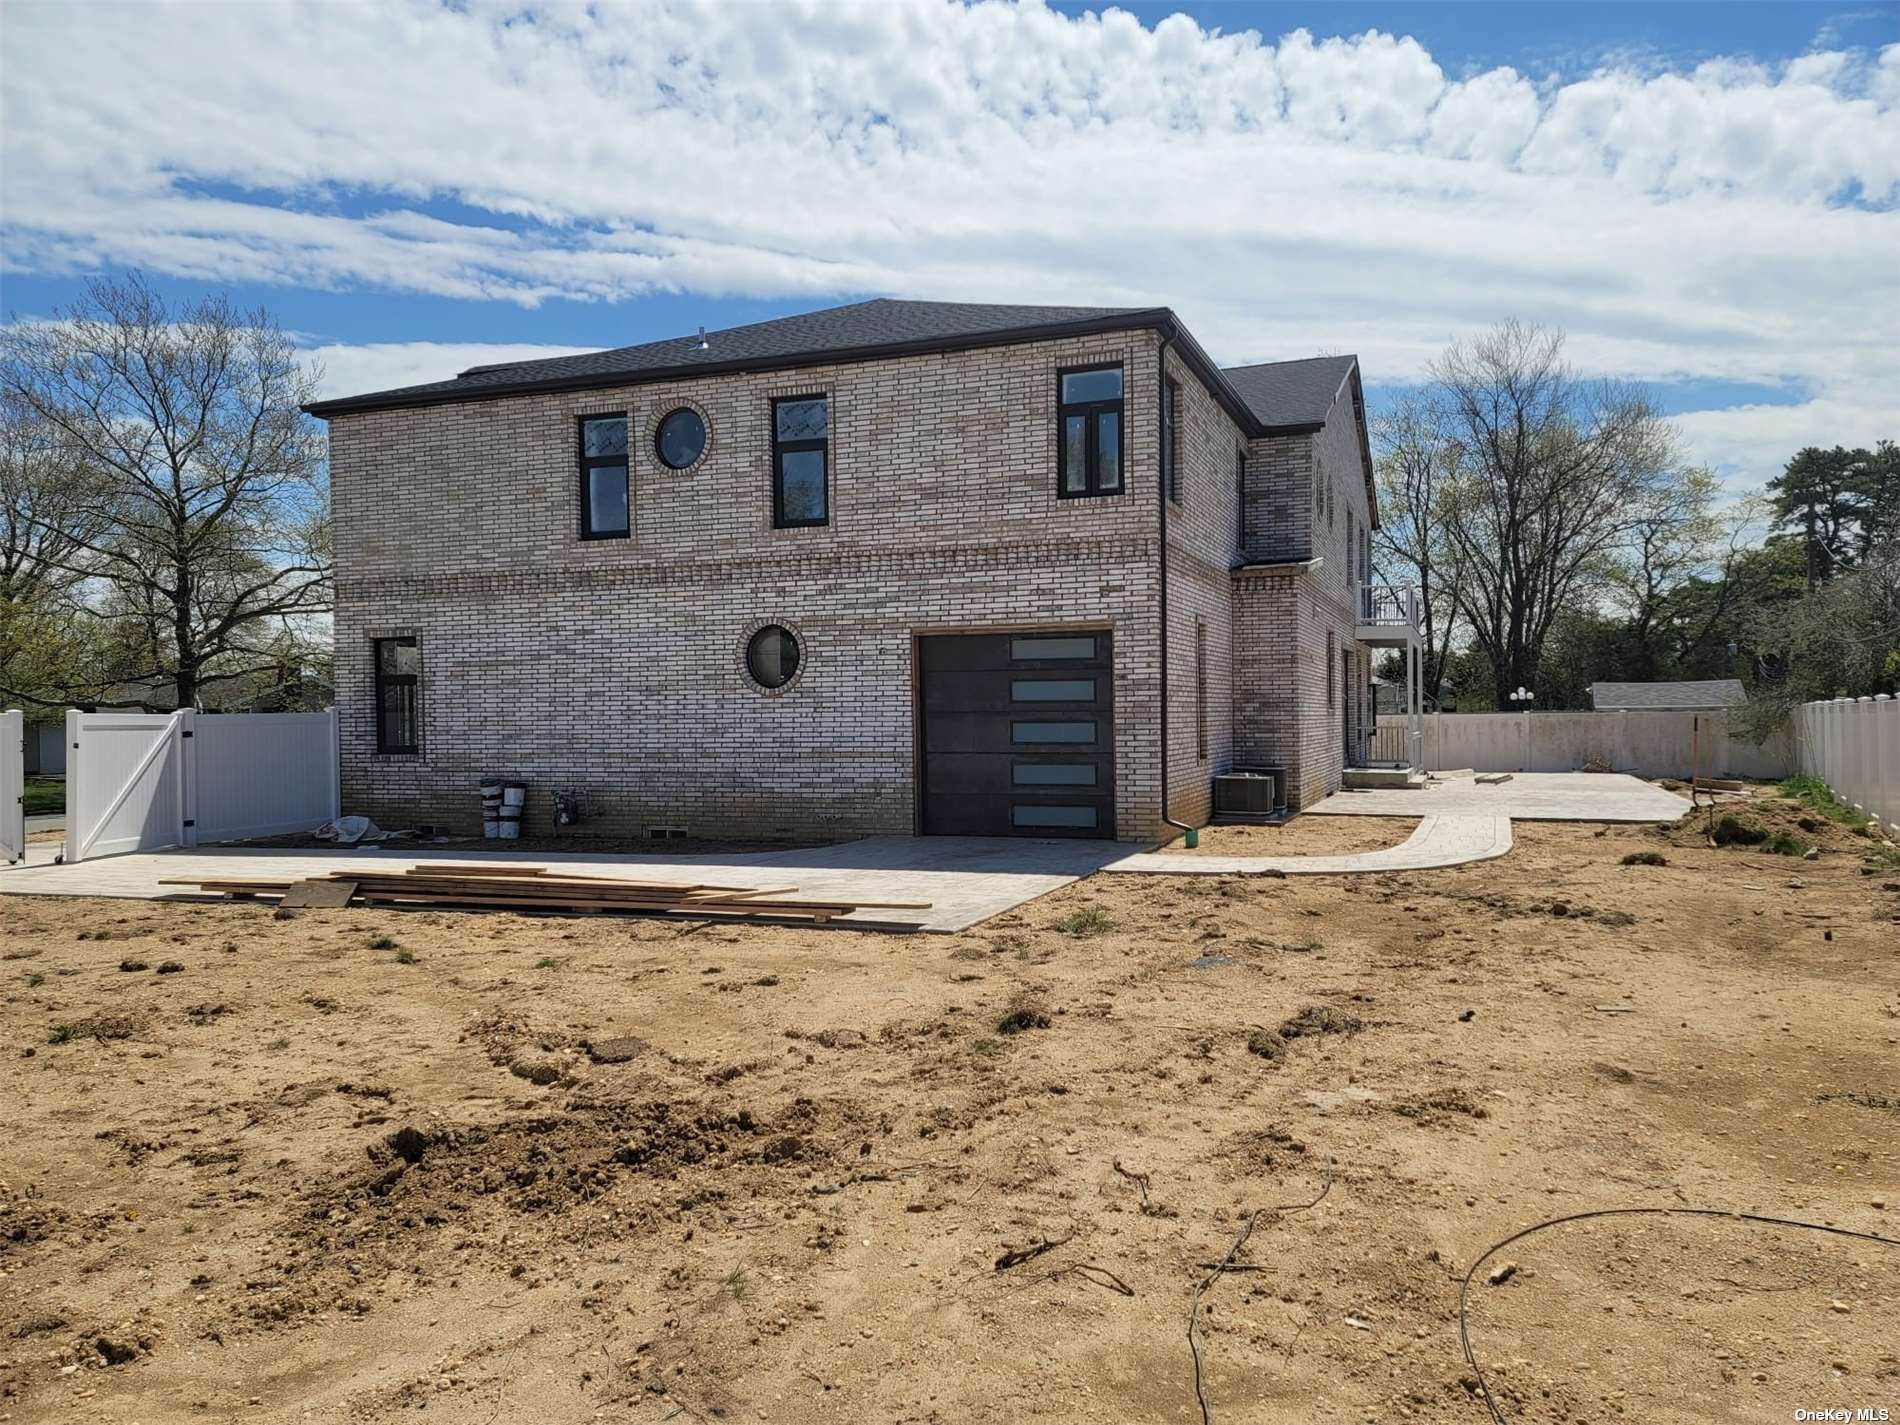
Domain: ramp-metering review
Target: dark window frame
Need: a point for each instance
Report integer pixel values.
(1240, 496)
(1171, 437)
(384, 747)
(659, 436)
(1200, 690)
(782, 448)
(1090, 411)
(587, 464)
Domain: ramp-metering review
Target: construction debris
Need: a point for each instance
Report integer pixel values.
(532, 888)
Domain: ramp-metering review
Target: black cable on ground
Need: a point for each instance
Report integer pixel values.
(1464, 1289)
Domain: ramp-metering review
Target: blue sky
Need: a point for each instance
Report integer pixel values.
(1702, 195)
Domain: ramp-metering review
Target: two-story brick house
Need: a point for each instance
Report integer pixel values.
(889, 567)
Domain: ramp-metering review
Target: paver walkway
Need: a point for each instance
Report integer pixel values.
(966, 879)
(1437, 841)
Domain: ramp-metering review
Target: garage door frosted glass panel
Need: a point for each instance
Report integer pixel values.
(1053, 774)
(1028, 648)
(1052, 816)
(1052, 732)
(1052, 690)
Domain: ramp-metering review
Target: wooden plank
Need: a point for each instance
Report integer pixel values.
(318, 895)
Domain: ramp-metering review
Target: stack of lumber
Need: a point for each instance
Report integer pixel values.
(530, 888)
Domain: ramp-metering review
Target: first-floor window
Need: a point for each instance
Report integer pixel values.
(1200, 689)
(604, 504)
(801, 448)
(398, 695)
(1330, 672)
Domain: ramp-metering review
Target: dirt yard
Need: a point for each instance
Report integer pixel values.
(368, 1166)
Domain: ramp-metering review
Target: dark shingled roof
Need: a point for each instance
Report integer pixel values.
(1291, 393)
(836, 333)
(1711, 693)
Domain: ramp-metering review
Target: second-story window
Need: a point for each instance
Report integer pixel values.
(604, 504)
(1171, 438)
(1240, 495)
(800, 457)
(1089, 422)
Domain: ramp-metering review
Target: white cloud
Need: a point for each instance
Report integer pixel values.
(381, 366)
(1289, 196)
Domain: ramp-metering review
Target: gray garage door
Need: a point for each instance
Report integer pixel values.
(1018, 734)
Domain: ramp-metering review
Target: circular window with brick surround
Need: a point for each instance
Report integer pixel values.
(771, 656)
(680, 438)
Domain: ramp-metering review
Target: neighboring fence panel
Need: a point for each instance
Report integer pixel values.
(126, 786)
(262, 774)
(12, 786)
(145, 781)
(1651, 744)
(1854, 746)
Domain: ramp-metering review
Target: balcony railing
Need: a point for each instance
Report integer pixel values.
(1381, 606)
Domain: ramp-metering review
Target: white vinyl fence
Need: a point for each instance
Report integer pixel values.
(12, 786)
(1648, 743)
(141, 781)
(1853, 744)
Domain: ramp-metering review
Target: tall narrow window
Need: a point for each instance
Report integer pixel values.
(801, 457)
(604, 504)
(1089, 418)
(1171, 438)
(1240, 496)
(1330, 675)
(1200, 689)
(398, 695)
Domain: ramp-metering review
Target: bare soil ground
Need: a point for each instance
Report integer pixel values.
(356, 1165)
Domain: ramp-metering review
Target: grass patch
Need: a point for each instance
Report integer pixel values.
(35, 980)
(383, 942)
(736, 1283)
(987, 1047)
(1877, 859)
(405, 957)
(547, 962)
(1089, 920)
(1783, 843)
(62, 1033)
(1645, 858)
(1024, 1013)
(1731, 830)
(1816, 796)
(43, 796)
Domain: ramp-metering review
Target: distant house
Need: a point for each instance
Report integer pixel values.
(1704, 696)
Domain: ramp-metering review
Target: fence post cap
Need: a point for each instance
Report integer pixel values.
(1883, 697)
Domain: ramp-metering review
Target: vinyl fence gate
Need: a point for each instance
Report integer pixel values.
(12, 786)
(146, 781)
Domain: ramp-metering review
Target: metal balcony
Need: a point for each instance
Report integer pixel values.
(1388, 616)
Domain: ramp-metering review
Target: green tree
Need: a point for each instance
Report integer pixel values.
(191, 539)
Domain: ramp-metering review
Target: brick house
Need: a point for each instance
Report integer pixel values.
(890, 567)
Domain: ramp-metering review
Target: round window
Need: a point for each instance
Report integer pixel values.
(681, 438)
(772, 656)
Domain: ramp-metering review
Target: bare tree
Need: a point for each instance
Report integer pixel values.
(1552, 475)
(196, 532)
(43, 527)
(1413, 468)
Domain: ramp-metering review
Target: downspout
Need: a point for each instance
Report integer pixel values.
(1191, 836)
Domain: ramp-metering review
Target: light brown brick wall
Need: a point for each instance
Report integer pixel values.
(1306, 497)
(616, 667)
